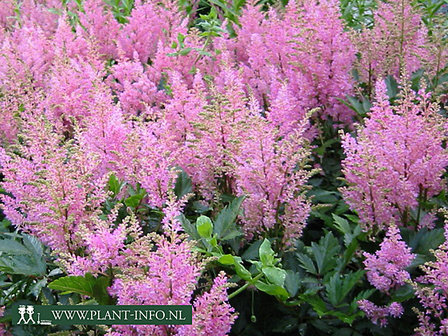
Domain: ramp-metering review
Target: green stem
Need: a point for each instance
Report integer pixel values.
(242, 288)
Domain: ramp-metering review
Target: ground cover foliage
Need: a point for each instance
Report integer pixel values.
(280, 166)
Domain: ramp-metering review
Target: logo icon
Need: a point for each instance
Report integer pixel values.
(26, 310)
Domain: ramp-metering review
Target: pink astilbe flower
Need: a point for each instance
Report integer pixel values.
(38, 13)
(218, 131)
(212, 314)
(432, 291)
(164, 271)
(53, 195)
(7, 15)
(270, 172)
(100, 24)
(379, 314)
(394, 44)
(149, 23)
(196, 60)
(146, 158)
(103, 130)
(396, 157)
(71, 88)
(28, 51)
(70, 44)
(185, 107)
(306, 46)
(386, 268)
(136, 86)
(103, 247)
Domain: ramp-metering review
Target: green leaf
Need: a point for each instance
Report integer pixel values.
(188, 227)
(266, 253)
(36, 287)
(185, 51)
(252, 251)
(226, 259)
(403, 293)
(392, 86)
(275, 275)
(242, 272)
(225, 226)
(204, 226)
(84, 285)
(33, 245)
(13, 247)
(26, 258)
(114, 184)
(307, 263)
(292, 282)
(325, 252)
(342, 224)
(273, 290)
(100, 290)
(134, 200)
(183, 185)
(316, 302)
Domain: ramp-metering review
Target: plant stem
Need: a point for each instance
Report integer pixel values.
(242, 288)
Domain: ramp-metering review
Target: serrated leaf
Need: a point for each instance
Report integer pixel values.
(183, 185)
(33, 245)
(100, 290)
(307, 263)
(83, 285)
(13, 247)
(188, 227)
(342, 224)
(225, 221)
(252, 251)
(292, 282)
(316, 302)
(325, 252)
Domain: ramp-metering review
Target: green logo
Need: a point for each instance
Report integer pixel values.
(95, 314)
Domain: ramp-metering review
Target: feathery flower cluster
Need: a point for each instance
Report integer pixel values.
(163, 270)
(83, 98)
(304, 48)
(432, 291)
(271, 173)
(396, 158)
(379, 314)
(394, 44)
(386, 268)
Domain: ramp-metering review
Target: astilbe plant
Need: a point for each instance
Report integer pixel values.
(56, 190)
(396, 160)
(164, 270)
(271, 173)
(98, 22)
(379, 314)
(148, 24)
(305, 46)
(386, 269)
(397, 42)
(228, 146)
(135, 86)
(432, 291)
